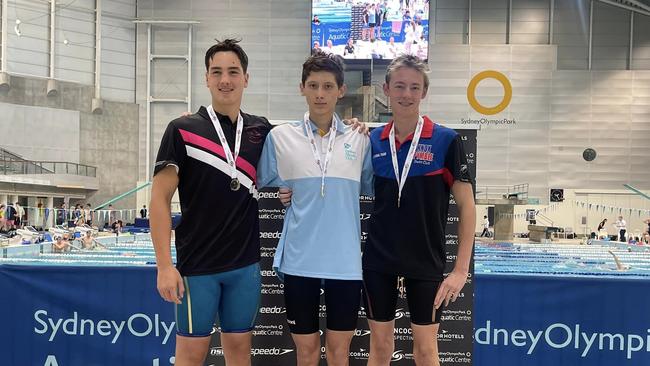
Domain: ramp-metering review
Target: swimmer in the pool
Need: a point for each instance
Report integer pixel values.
(619, 265)
(89, 243)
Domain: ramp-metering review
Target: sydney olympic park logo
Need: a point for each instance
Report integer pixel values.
(565, 336)
(489, 110)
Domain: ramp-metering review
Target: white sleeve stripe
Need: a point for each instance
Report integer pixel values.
(219, 164)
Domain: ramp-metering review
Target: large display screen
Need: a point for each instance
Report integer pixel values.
(371, 29)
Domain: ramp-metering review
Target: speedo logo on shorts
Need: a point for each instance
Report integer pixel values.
(270, 351)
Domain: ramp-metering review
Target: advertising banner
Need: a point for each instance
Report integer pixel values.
(541, 320)
(70, 316)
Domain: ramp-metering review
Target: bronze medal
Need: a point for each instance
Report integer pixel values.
(234, 184)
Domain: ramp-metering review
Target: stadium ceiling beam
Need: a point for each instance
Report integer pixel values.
(639, 4)
(635, 6)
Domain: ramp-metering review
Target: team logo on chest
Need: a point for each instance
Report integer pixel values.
(254, 135)
(350, 154)
(423, 154)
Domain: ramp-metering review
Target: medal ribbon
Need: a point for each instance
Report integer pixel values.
(330, 146)
(409, 158)
(224, 143)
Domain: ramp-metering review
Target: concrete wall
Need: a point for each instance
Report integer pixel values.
(556, 114)
(40, 133)
(74, 49)
(108, 141)
(530, 24)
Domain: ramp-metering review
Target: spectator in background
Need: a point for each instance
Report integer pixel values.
(419, 28)
(77, 214)
(316, 47)
(422, 50)
(349, 48)
(39, 216)
(11, 216)
(20, 214)
(380, 10)
(117, 226)
(410, 38)
(3, 211)
(364, 28)
(601, 226)
(111, 215)
(391, 48)
(315, 20)
(329, 48)
(621, 226)
(375, 50)
(486, 227)
(646, 234)
(407, 16)
(88, 214)
(372, 20)
(143, 212)
(61, 215)
(601, 232)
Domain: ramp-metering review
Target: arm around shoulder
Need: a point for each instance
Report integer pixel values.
(267, 168)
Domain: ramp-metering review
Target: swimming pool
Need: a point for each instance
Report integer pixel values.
(561, 259)
(493, 258)
(126, 250)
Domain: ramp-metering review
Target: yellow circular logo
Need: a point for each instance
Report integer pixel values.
(471, 92)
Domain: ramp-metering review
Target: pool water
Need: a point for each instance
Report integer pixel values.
(130, 250)
(500, 257)
(561, 259)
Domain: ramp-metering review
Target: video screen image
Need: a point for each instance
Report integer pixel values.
(371, 29)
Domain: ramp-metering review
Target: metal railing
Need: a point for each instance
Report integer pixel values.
(6, 154)
(517, 191)
(543, 219)
(11, 166)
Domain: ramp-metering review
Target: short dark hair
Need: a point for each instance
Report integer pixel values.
(322, 61)
(227, 45)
